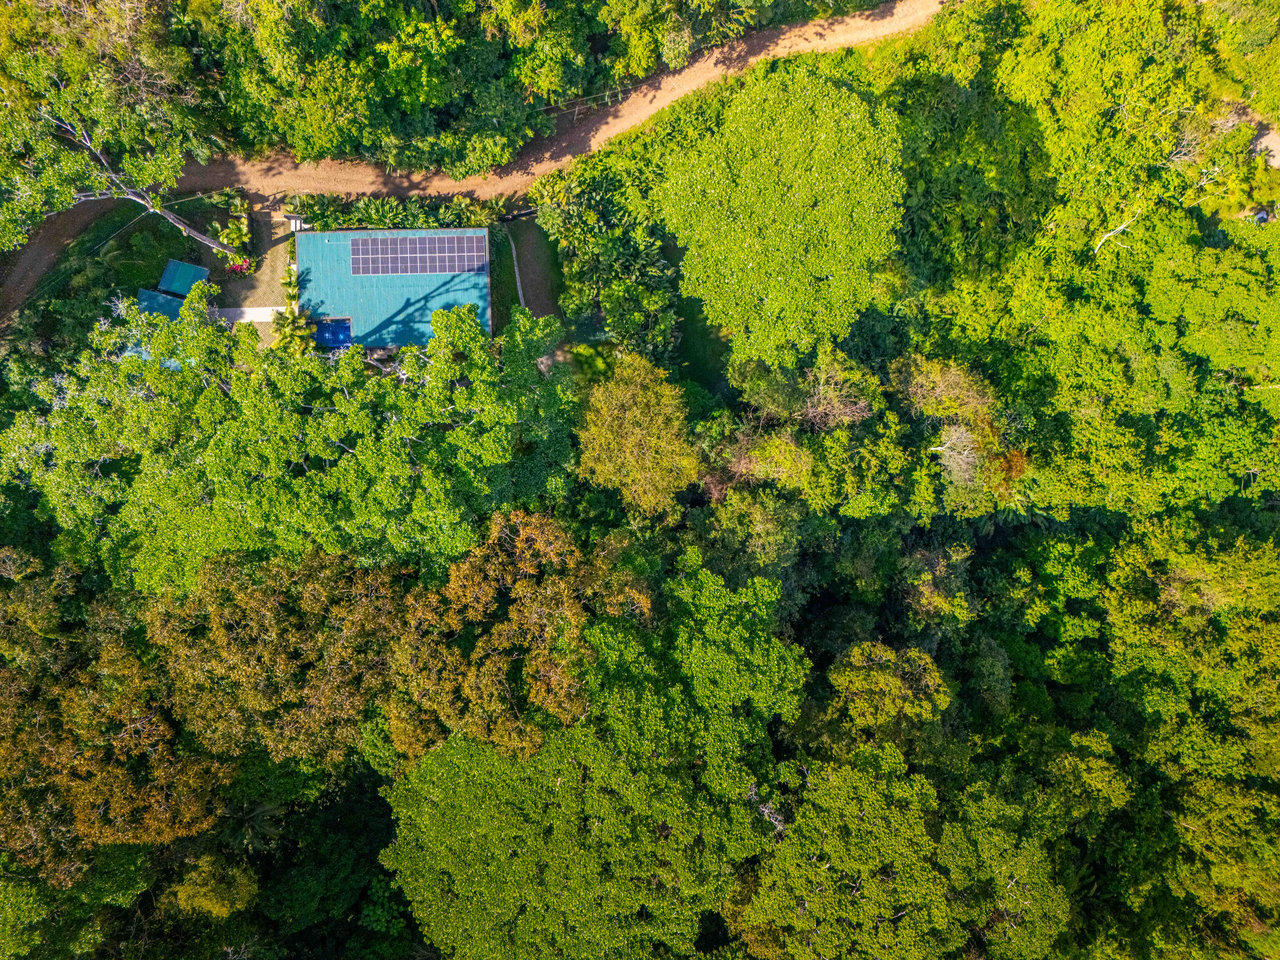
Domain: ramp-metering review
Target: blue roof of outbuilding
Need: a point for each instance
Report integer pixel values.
(386, 309)
(180, 277)
(150, 301)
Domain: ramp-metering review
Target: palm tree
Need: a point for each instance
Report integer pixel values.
(291, 285)
(293, 333)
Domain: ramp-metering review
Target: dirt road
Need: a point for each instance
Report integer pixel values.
(19, 276)
(1268, 143)
(271, 180)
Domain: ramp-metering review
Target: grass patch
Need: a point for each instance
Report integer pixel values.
(703, 349)
(130, 245)
(271, 252)
(540, 272)
(503, 294)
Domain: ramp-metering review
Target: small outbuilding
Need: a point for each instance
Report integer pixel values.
(172, 290)
(178, 278)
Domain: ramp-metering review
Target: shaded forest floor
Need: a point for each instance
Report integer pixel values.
(540, 274)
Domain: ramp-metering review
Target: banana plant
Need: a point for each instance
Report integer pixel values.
(235, 233)
(377, 212)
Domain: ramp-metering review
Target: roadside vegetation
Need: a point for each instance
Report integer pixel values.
(123, 251)
(878, 558)
(111, 99)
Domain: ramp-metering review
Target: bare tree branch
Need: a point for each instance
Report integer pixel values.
(81, 137)
(1116, 232)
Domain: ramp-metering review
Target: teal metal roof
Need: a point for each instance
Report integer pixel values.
(180, 277)
(386, 309)
(152, 302)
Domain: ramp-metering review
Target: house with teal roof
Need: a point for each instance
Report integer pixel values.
(379, 288)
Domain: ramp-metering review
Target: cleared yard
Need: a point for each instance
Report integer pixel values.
(261, 288)
(539, 266)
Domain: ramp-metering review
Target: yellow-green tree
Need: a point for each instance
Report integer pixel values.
(634, 437)
(856, 875)
(787, 209)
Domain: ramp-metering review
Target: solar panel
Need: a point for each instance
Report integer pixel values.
(446, 253)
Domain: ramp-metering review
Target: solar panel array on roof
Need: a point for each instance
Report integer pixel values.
(378, 256)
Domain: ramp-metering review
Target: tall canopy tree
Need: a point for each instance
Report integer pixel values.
(286, 656)
(498, 653)
(856, 876)
(574, 853)
(786, 212)
(89, 752)
(98, 106)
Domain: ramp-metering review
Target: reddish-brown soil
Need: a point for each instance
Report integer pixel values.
(21, 271)
(1268, 141)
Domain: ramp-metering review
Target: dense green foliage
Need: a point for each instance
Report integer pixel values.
(109, 97)
(940, 622)
(141, 459)
(784, 211)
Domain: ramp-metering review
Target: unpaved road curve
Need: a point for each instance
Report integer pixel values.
(41, 252)
(270, 180)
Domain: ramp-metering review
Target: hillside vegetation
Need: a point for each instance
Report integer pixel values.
(879, 562)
